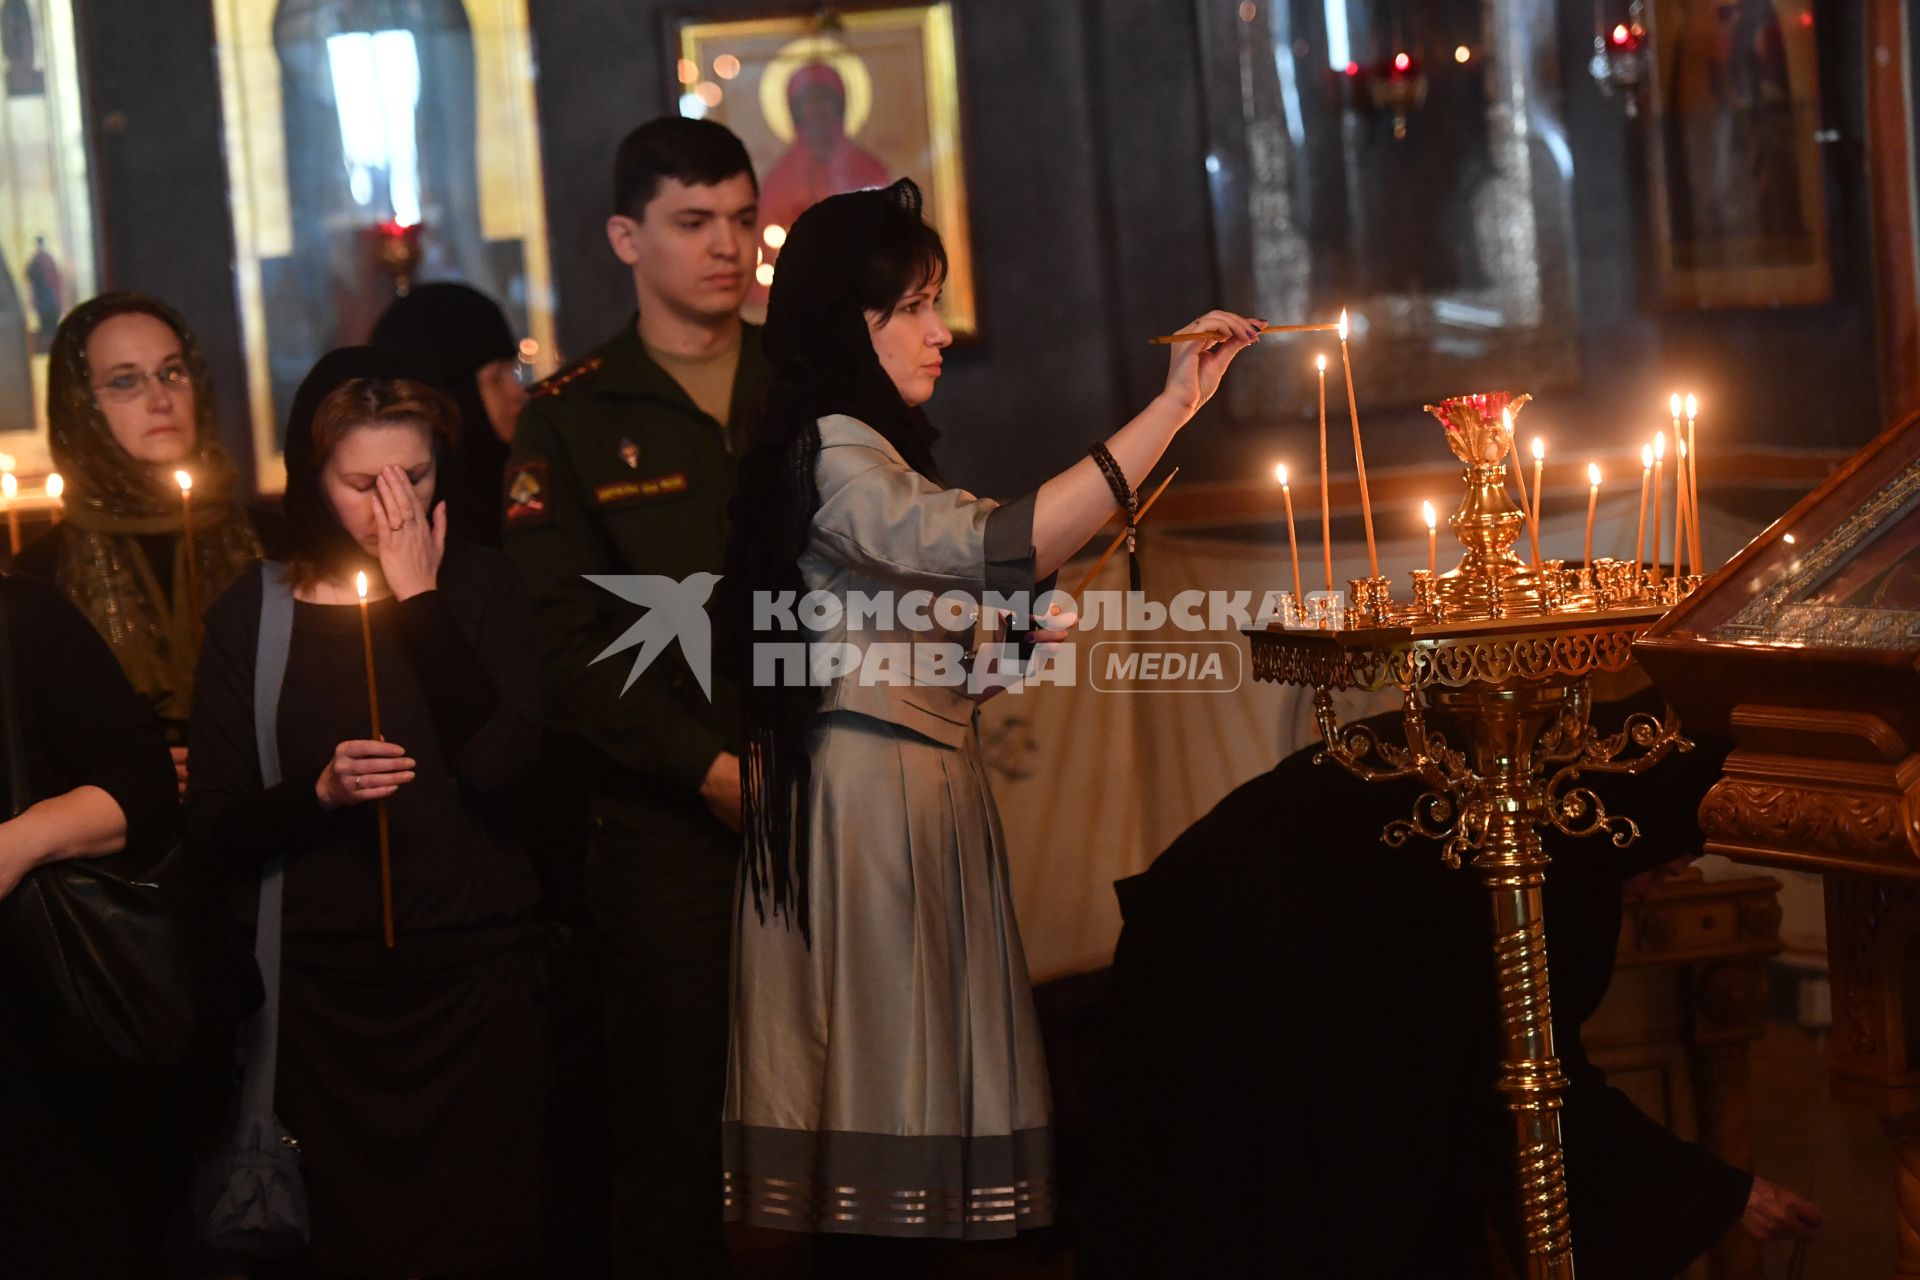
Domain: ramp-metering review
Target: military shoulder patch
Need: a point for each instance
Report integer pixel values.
(557, 383)
(528, 501)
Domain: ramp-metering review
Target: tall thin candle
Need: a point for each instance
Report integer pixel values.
(1359, 454)
(1640, 534)
(185, 481)
(1659, 465)
(373, 714)
(1694, 560)
(1432, 518)
(1539, 492)
(1681, 513)
(1593, 504)
(1293, 543)
(1326, 515)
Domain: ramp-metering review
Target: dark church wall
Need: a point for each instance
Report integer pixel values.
(1092, 227)
(159, 175)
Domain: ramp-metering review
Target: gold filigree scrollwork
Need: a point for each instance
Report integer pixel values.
(1578, 811)
(1305, 658)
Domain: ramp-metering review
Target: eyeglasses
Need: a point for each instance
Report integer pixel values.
(131, 386)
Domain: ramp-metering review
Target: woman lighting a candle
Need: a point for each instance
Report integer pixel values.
(431, 1051)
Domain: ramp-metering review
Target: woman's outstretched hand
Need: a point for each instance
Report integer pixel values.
(1195, 368)
(363, 770)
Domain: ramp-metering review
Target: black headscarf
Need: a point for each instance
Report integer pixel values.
(453, 331)
(319, 540)
(846, 256)
(112, 501)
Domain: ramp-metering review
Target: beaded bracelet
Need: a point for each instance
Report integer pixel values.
(1123, 493)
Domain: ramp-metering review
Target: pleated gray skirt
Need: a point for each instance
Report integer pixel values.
(889, 1080)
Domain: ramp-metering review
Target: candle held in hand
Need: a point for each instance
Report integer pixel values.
(373, 715)
(185, 481)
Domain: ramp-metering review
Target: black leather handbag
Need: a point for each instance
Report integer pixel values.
(106, 956)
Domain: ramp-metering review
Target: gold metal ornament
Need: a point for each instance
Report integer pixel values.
(1500, 653)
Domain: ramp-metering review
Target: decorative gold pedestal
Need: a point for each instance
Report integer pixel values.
(1503, 654)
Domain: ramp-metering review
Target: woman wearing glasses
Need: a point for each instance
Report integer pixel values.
(129, 403)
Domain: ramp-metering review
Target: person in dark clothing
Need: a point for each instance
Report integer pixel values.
(413, 1076)
(81, 1191)
(460, 339)
(129, 405)
(624, 464)
(1305, 1041)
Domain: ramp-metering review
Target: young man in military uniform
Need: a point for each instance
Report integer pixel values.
(623, 465)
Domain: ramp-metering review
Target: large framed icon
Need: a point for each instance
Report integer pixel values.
(371, 145)
(832, 102)
(47, 232)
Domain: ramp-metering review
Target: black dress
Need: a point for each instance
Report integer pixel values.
(76, 1149)
(1306, 1038)
(414, 1078)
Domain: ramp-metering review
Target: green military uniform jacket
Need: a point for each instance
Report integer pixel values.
(614, 470)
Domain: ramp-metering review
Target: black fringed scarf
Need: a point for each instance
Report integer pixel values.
(830, 272)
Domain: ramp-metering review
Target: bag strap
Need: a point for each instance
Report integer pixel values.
(269, 672)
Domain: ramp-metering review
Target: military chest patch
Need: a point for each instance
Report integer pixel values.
(526, 494)
(630, 454)
(622, 492)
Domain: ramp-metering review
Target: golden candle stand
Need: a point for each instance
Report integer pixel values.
(1504, 652)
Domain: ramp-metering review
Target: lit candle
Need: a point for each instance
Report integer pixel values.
(185, 481)
(1681, 513)
(1293, 543)
(373, 715)
(1640, 534)
(1539, 492)
(1593, 504)
(1432, 518)
(1659, 465)
(1326, 516)
(1694, 560)
(55, 487)
(1359, 454)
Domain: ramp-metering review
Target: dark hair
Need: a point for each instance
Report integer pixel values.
(699, 153)
(847, 256)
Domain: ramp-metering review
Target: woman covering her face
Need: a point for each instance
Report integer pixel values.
(130, 402)
(886, 1075)
(413, 1076)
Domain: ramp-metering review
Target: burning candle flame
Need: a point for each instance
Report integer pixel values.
(1320, 363)
(1646, 456)
(1693, 407)
(8, 485)
(1659, 445)
(1593, 474)
(1428, 514)
(55, 485)
(360, 585)
(184, 480)
(1539, 449)
(1343, 324)
(1280, 472)
(1673, 403)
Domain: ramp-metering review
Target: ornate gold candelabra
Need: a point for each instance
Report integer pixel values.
(1499, 653)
